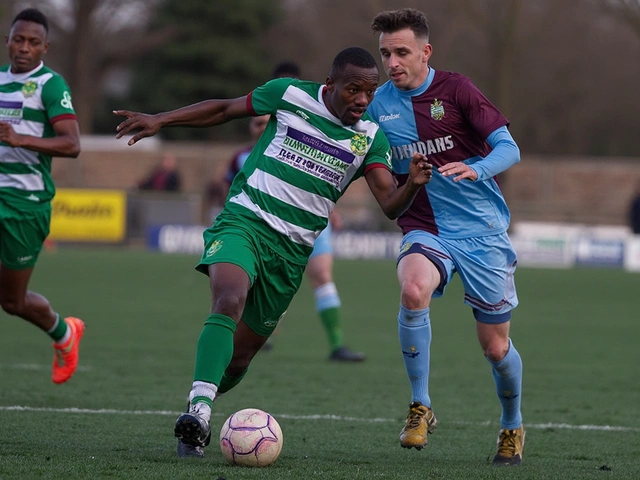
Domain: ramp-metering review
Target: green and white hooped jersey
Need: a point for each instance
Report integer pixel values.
(32, 102)
(303, 163)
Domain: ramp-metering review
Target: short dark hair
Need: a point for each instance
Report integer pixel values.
(395, 20)
(286, 69)
(32, 15)
(356, 56)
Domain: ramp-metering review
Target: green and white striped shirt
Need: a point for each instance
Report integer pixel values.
(303, 163)
(32, 102)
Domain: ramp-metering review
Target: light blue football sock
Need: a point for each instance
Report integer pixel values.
(507, 374)
(414, 332)
(328, 307)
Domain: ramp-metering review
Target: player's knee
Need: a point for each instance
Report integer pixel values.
(319, 279)
(496, 350)
(12, 306)
(230, 305)
(415, 295)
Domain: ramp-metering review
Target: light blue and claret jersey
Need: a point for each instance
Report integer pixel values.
(237, 162)
(32, 102)
(449, 120)
(302, 164)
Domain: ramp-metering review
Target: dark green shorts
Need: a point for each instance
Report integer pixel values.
(22, 236)
(274, 280)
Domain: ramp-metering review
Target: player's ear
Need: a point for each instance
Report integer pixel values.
(427, 50)
(330, 84)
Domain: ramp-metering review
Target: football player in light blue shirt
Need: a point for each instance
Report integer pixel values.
(456, 224)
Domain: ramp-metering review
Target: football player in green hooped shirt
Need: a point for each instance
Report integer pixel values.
(319, 139)
(37, 122)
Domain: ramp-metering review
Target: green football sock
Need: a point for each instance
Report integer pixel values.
(331, 320)
(215, 348)
(227, 382)
(59, 329)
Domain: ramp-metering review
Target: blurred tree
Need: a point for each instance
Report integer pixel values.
(560, 70)
(219, 53)
(91, 37)
(627, 10)
(498, 20)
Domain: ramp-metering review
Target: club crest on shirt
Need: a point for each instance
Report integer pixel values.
(215, 246)
(359, 144)
(437, 110)
(405, 248)
(29, 88)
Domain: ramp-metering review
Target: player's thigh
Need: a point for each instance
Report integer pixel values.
(319, 270)
(270, 295)
(493, 338)
(229, 245)
(14, 286)
(431, 275)
(21, 239)
(486, 266)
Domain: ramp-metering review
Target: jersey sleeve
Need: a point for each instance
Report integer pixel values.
(379, 155)
(56, 98)
(266, 98)
(483, 116)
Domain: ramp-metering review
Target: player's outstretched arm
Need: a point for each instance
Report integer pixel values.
(203, 114)
(393, 200)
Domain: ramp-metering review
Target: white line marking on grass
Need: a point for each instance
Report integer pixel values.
(100, 411)
(37, 367)
(605, 428)
(340, 418)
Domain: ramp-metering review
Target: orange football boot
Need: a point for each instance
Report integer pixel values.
(65, 359)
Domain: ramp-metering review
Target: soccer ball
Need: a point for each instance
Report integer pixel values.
(251, 438)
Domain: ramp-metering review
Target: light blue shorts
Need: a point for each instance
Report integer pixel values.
(323, 243)
(486, 266)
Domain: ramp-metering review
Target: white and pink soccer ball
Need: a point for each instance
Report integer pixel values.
(251, 438)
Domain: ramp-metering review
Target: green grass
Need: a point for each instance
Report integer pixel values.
(576, 330)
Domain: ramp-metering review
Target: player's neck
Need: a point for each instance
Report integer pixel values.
(327, 103)
(420, 81)
(33, 70)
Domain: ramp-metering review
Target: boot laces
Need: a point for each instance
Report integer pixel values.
(414, 419)
(507, 444)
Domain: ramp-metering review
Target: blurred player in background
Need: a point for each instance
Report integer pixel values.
(457, 224)
(634, 210)
(319, 270)
(37, 122)
(318, 140)
(257, 125)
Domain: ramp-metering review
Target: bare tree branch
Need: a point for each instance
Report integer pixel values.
(626, 10)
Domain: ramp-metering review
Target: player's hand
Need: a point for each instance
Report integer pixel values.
(420, 170)
(8, 135)
(461, 171)
(146, 125)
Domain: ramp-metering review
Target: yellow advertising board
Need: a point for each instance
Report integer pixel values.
(88, 215)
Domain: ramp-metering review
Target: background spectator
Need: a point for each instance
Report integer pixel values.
(163, 178)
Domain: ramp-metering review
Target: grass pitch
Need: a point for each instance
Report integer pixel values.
(577, 332)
